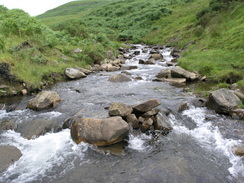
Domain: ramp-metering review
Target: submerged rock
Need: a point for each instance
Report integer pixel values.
(100, 132)
(119, 78)
(44, 100)
(223, 101)
(156, 56)
(183, 106)
(8, 155)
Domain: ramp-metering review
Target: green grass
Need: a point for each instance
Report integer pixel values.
(214, 49)
(210, 32)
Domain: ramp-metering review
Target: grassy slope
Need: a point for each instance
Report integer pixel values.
(33, 64)
(214, 49)
(72, 10)
(218, 46)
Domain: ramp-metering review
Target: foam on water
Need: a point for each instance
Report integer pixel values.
(22, 115)
(139, 142)
(40, 155)
(210, 137)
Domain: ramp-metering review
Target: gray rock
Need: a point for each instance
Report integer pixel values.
(173, 81)
(146, 123)
(239, 95)
(132, 119)
(183, 106)
(165, 73)
(178, 72)
(85, 71)
(8, 155)
(126, 73)
(147, 106)
(156, 56)
(100, 132)
(96, 68)
(198, 102)
(150, 113)
(162, 122)
(74, 73)
(223, 101)
(119, 78)
(119, 109)
(234, 86)
(151, 61)
(238, 112)
(130, 67)
(37, 127)
(44, 100)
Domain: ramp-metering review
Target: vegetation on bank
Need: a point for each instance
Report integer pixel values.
(34, 52)
(210, 32)
(211, 35)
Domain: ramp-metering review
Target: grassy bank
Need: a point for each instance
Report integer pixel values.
(210, 32)
(35, 53)
(212, 39)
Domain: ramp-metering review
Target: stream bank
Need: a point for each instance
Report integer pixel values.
(199, 148)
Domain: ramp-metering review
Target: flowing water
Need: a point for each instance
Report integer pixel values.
(198, 150)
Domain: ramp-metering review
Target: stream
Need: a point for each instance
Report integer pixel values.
(198, 150)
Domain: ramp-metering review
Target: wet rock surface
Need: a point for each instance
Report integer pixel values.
(8, 155)
(44, 100)
(100, 132)
(223, 101)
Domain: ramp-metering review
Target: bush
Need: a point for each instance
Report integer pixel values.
(2, 43)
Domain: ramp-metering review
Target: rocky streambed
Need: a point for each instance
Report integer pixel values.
(199, 147)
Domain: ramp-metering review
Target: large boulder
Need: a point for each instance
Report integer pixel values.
(178, 72)
(100, 132)
(74, 73)
(8, 155)
(223, 101)
(44, 100)
(147, 106)
(119, 109)
(119, 78)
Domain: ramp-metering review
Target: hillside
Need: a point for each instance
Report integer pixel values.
(34, 54)
(209, 32)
